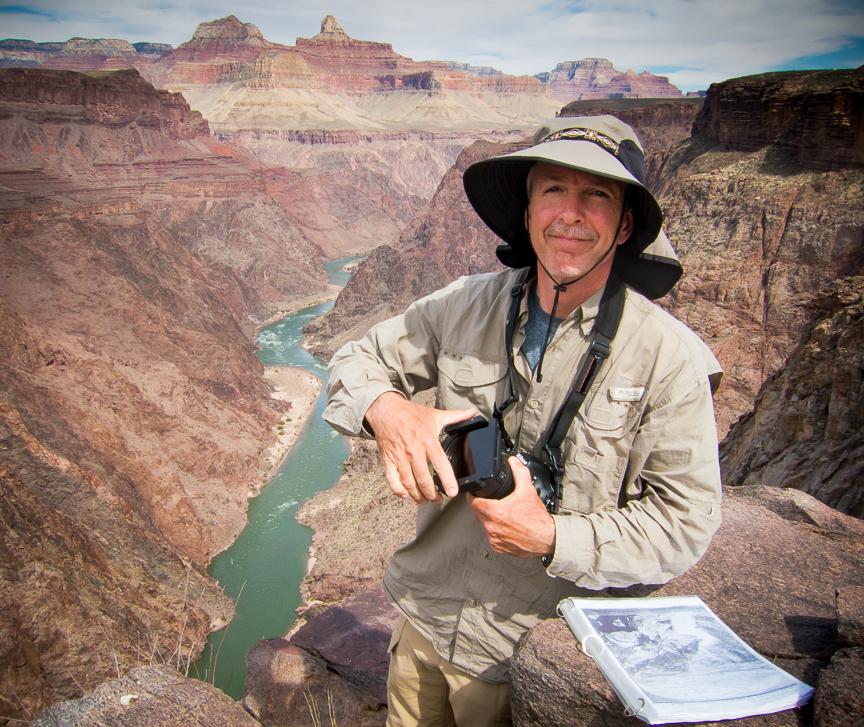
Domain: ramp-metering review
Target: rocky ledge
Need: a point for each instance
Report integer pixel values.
(783, 572)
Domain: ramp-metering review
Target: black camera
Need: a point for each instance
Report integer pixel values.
(479, 460)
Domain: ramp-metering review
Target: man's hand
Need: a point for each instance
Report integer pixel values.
(519, 524)
(407, 437)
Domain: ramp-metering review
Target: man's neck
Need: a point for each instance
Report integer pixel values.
(574, 295)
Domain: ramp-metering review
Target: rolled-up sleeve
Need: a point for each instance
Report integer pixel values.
(398, 355)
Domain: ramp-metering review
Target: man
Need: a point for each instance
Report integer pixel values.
(640, 480)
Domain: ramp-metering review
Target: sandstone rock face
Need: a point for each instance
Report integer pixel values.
(596, 78)
(134, 252)
(839, 698)
(760, 577)
(110, 99)
(759, 237)
(353, 637)
(289, 687)
(815, 117)
(349, 192)
(147, 696)
(807, 427)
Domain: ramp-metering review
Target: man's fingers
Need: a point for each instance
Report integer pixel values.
(444, 470)
(408, 439)
(447, 417)
(394, 479)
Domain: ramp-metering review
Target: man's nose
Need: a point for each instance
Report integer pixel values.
(572, 209)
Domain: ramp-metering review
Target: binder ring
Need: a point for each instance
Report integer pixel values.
(628, 713)
(585, 651)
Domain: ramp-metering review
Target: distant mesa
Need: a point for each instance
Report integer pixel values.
(229, 30)
(79, 54)
(594, 78)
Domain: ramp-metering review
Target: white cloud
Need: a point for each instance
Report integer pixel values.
(692, 41)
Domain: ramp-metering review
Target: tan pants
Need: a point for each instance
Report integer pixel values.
(424, 690)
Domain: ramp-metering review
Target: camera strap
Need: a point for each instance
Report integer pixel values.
(510, 331)
(605, 328)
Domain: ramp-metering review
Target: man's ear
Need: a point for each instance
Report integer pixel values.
(627, 227)
(526, 218)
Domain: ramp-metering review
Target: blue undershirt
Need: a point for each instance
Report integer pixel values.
(535, 329)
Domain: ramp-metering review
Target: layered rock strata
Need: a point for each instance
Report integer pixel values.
(79, 54)
(814, 117)
(136, 254)
(239, 80)
(593, 78)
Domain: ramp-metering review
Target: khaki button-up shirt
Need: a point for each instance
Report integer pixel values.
(641, 490)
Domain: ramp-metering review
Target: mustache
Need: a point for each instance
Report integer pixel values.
(579, 232)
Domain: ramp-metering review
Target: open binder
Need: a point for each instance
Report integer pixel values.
(673, 660)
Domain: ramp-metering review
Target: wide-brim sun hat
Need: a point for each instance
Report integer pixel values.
(601, 145)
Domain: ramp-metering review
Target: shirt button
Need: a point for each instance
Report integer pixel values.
(472, 603)
(485, 553)
(533, 403)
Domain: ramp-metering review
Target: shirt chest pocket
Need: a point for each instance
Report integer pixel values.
(466, 378)
(603, 413)
(597, 450)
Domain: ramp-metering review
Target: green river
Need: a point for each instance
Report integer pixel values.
(268, 560)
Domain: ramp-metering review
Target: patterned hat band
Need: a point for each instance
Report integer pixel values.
(627, 151)
(578, 134)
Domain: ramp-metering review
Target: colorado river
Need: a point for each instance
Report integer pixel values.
(268, 560)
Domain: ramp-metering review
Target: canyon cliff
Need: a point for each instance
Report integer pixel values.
(807, 427)
(766, 218)
(136, 256)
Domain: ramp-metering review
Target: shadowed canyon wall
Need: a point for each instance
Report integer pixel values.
(759, 221)
(136, 255)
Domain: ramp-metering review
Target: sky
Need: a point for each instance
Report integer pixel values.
(693, 42)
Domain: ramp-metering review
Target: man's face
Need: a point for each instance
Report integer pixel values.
(572, 217)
